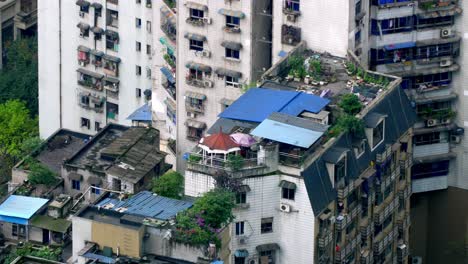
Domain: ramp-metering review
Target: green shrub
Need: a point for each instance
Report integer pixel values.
(235, 162)
(171, 185)
(350, 104)
(40, 174)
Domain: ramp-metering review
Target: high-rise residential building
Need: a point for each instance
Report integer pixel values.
(94, 62)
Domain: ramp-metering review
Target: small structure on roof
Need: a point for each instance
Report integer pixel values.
(219, 143)
(141, 116)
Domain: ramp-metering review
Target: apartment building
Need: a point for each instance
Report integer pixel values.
(306, 194)
(94, 63)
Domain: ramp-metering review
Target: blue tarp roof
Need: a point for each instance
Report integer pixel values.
(100, 258)
(257, 104)
(168, 74)
(147, 204)
(19, 209)
(141, 114)
(403, 45)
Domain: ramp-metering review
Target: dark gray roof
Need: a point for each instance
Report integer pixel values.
(334, 154)
(297, 121)
(400, 117)
(372, 119)
(230, 126)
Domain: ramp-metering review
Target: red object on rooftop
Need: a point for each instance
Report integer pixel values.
(220, 141)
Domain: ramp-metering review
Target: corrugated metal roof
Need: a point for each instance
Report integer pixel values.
(141, 114)
(147, 204)
(23, 207)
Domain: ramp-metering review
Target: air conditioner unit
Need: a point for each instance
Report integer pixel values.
(455, 139)
(291, 18)
(446, 63)
(82, 14)
(252, 261)
(445, 121)
(206, 53)
(286, 208)
(208, 83)
(445, 33)
(432, 122)
(242, 240)
(207, 20)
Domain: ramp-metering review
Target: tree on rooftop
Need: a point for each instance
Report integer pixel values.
(40, 174)
(350, 104)
(215, 207)
(171, 185)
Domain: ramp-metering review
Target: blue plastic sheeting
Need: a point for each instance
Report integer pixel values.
(282, 53)
(141, 114)
(403, 45)
(18, 208)
(147, 204)
(217, 262)
(257, 104)
(285, 133)
(168, 74)
(100, 258)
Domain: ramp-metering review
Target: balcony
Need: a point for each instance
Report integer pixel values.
(90, 79)
(192, 107)
(384, 238)
(198, 21)
(170, 30)
(385, 210)
(449, 8)
(231, 29)
(200, 83)
(325, 237)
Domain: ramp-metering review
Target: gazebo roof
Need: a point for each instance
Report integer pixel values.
(219, 142)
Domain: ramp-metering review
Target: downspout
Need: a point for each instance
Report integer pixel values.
(60, 63)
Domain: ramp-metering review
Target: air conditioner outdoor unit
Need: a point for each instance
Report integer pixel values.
(455, 139)
(82, 14)
(208, 84)
(286, 208)
(207, 20)
(206, 53)
(432, 122)
(445, 121)
(446, 63)
(291, 18)
(445, 33)
(252, 261)
(242, 240)
(81, 35)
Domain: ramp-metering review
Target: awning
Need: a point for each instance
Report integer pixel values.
(171, 105)
(226, 72)
(403, 45)
(97, 30)
(75, 176)
(96, 5)
(147, 92)
(194, 36)
(241, 253)
(437, 41)
(267, 247)
(195, 95)
(168, 74)
(225, 101)
(243, 188)
(83, 49)
(372, 120)
(287, 184)
(82, 3)
(232, 45)
(97, 53)
(49, 223)
(167, 13)
(193, 5)
(195, 124)
(83, 26)
(170, 48)
(232, 13)
(198, 66)
(111, 58)
(112, 34)
(94, 180)
(90, 73)
(111, 79)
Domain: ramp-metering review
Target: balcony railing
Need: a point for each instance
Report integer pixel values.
(201, 83)
(325, 237)
(199, 22)
(167, 28)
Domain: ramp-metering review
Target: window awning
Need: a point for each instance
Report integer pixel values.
(112, 34)
(403, 45)
(82, 3)
(96, 5)
(194, 36)
(198, 66)
(170, 48)
(83, 48)
(171, 105)
(111, 79)
(241, 253)
(195, 124)
(90, 73)
(97, 30)
(226, 72)
(244, 188)
(287, 185)
(373, 119)
(75, 176)
(193, 5)
(94, 180)
(232, 45)
(167, 13)
(232, 13)
(168, 74)
(267, 247)
(83, 26)
(195, 95)
(111, 58)
(97, 53)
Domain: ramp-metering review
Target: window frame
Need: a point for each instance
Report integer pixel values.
(288, 193)
(196, 45)
(266, 226)
(231, 81)
(196, 14)
(232, 22)
(232, 54)
(240, 228)
(76, 185)
(377, 144)
(241, 197)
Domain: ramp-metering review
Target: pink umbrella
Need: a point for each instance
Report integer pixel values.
(245, 140)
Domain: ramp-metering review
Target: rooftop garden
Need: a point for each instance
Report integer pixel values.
(170, 184)
(28, 249)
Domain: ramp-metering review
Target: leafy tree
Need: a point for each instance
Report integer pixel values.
(40, 174)
(171, 185)
(19, 77)
(350, 104)
(30, 144)
(351, 124)
(215, 207)
(44, 252)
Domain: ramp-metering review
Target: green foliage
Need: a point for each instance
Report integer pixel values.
(295, 62)
(17, 126)
(194, 158)
(30, 144)
(235, 162)
(169, 60)
(44, 252)
(170, 3)
(216, 207)
(19, 77)
(40, 174)
(315, 68)
(350, 104)
(347, 123)
(171, 185)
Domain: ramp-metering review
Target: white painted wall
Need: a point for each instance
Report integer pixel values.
(81, 232)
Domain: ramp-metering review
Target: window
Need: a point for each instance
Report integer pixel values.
(241, 198)
(138, 1)
(148, 3)
(292, 5)
(138, 70)
(357, 38)
(85, 100)
(76, 185)
(232, 22)
(357, 8)
(239, 228)
(288, 193)
(392, 25)
(18, 230)
(232, 81)
(84, 8)
(232, 54)
(430, 169)
(340, 170)
(266, 225)
(267, 256)
(148, 72)
(148, 49)
(195, 74)
(148, 26)
(97, 12)
(112, 18)
(112, 40)
(138, 92)
(360, 148)
(196, 14)
(378, 134)
(97, 126)
(138, 22)
(85, 122)
(429, 138)
(138, 46)
(196, 45)
(239, 260)
(95, 190)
